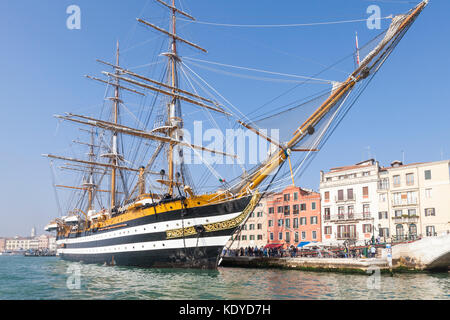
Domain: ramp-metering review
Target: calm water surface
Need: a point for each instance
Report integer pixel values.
(51, 278)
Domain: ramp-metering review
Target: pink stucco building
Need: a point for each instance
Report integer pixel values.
(293, 217)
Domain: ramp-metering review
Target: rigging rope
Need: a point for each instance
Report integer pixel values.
(259, 70)
(280, 25)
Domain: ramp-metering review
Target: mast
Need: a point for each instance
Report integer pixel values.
(91, 184)
(114, 137)
(172, 105)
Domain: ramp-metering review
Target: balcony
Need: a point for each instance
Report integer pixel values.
(406, 219)
(346, 198)
(346, 235)
(404, 202)
(348, 217)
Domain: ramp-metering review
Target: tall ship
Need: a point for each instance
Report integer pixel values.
(146, 195)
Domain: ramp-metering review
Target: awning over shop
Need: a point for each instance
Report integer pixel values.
(273, 245)
(303, 243)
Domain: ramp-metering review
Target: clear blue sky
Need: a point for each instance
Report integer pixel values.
(406, 108)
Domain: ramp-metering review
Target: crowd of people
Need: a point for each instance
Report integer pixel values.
(347, 251)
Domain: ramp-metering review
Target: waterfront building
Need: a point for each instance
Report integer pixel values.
(349, 203)
(2, 244)
(396, 203)
(414, 199)
(254, 232)
(22, 243)
(43, 242)
(293, 217)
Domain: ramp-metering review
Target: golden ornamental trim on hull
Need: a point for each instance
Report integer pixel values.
(217, 226)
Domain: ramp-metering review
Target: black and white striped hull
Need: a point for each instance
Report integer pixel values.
(144, 242)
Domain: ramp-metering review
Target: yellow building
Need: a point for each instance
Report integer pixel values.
(415, 198)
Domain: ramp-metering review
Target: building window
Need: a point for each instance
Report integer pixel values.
(327, 195)
(296, 237)
(365, 192)
(383, 184)
(270, 223)
(286, 197)
(340, 212)
(409, 179)
(383, 197)
(412, 213)
(313, 206)
(326, 213)
(350, 194)
(260, 237)
(430, 212)
(271, 236)
(280, 209)
(412, 229)
(244, 238)
(350, 211)
(399, 230)
(382, 215)
(340, 195)
(252, 237)
(366, 174)
(396, 180)
(280, 236)
(280, 222)
(384, 232)
(397, 198)
(295, 208)
(271, 210)
(259, 214)
(428, 193)
(288, 223)
(295, 195)
(288, 237)
(303, 235)
(244, 227)
(367, 228)
(303, 207)
(427, 174)
(259, 226)
(252, 227)
(328, 230)
(314, 235)
(313, 220)
(430, 231)
(366, 210)
(411, 197)
(287, 210)
(303, 221)
(295, 223)
(398, 213)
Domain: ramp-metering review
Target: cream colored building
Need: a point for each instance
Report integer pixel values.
(349, 203)
(254, 231)
(415, 198)
(398, 202)
(21, 243)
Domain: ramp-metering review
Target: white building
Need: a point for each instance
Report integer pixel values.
(349, 202)
(398, 202)
(415, 198)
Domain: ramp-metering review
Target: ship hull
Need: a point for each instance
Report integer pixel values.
(191, 238)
